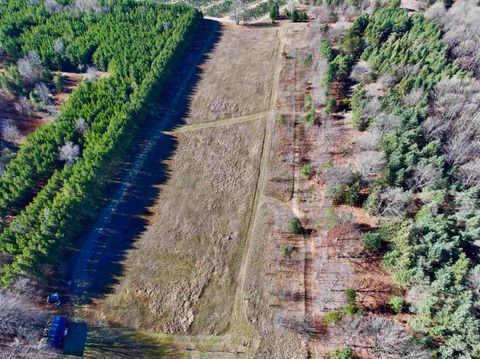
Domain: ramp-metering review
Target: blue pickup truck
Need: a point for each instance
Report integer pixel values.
(57, 331)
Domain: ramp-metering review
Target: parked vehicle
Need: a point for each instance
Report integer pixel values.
(54, 298)
(58, 329)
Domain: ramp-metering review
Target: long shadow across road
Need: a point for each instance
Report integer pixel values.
(99, 262)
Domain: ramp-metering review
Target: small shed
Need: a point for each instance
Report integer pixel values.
(58, 330)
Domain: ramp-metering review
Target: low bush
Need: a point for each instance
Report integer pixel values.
(294, 227)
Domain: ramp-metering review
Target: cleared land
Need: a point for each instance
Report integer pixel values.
(183, 279)
(182, 275)
(237, 79)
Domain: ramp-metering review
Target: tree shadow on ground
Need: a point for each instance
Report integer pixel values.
(74, 342)
(130, 218)
(104, 342)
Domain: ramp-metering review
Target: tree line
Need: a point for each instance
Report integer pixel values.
(54, 183)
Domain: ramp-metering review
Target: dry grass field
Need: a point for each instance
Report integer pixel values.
(237, 79)
(182, 275)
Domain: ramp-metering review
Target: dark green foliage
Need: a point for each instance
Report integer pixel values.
(331, 105)
(295, 16)
(372, 242)
(306, 170)
(132, 42)
(309, 106)
(336, 193)
(350, 296)
(351, 299)
(285, 250)
(325, 50)
(429, 252)
(58, 82)
(274, 11)
(308, 60)
(294, 227)
(352, 194)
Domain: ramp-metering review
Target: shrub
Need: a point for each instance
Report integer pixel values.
(274, 11)
(350, 296)
(352, 194)
(294, 16)
(282, 119)
(58, 83)
(396, 304)
(331, 219)
(310, 116)
(325, 50)
(371, 242)
(294, 227)
(285, 250)
(308, 60)
(326, 165)
(333, 317)
(336, 193)
(306, 170)
(331, 105)
(343, 353)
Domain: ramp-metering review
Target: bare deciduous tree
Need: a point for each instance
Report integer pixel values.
(81, 125)
(338, 175)
(370, 164)
(368, 141)
(413, 97)
(52, 6)
(239, 11)
(386, 123)
(69, 153)
(360, 71)
(30, 67)
(455, 121)
(24, 106)
(59, 46)
(42, 93)
(92, 73)
(394, 202)
(10, 132)
(381, 337)
(93, 6)
(23, 324)
(424, 176)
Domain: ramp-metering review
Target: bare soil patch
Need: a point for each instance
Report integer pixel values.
(237, 78)
(181, 277)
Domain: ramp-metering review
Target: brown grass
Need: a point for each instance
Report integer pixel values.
(182, 275)
(237, 78)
